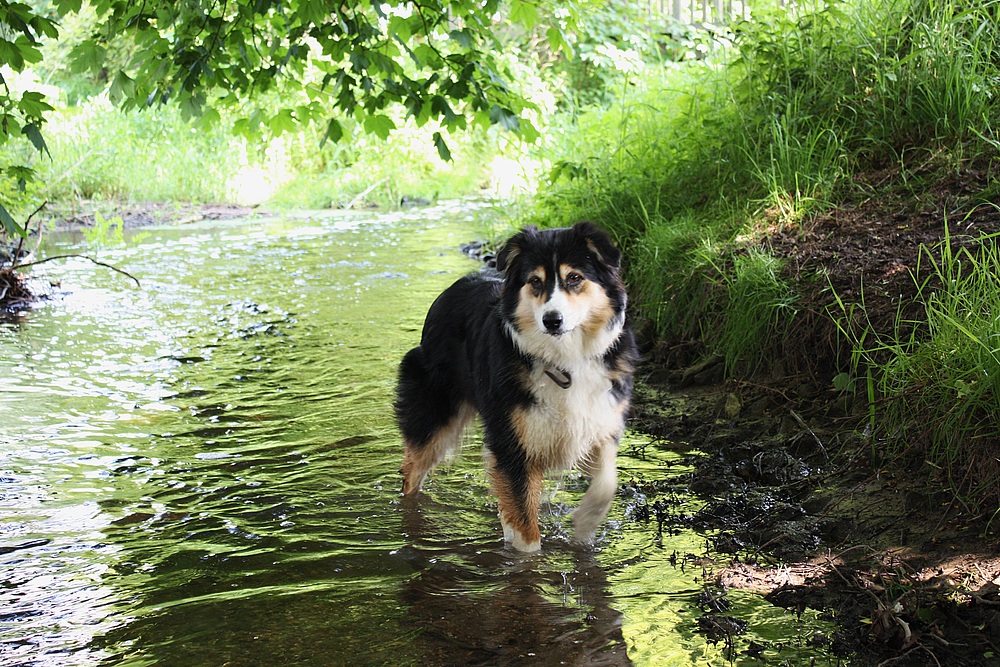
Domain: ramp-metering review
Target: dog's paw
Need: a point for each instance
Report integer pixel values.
(514, 538)
(585, 523)
(525, 547)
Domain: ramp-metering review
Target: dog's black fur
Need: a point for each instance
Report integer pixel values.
(541, 351)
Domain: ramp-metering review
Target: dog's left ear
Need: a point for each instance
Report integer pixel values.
(512, 247)
(599, 243)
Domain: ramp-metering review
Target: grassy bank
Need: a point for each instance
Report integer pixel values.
(99, 153)
(712, 171)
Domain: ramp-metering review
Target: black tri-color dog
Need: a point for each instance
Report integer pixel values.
(540, 350)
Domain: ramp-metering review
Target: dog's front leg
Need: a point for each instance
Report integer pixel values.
(603, 486)
(518, 488)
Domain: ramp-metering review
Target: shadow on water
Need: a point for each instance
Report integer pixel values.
(203, 472)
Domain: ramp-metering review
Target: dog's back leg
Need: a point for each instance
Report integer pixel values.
(432, 417)
(600, 465)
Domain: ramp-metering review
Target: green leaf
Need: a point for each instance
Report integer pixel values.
(209, 118)
(282, 122)
(68, 6)
(558, 42)
(525, 13)
(440, 107)
(9, 125)
(334, 131)
(34, 134)
(425, 56)
(843, 382)
(33, 104)
(505, 118)
(28, 50)
(463, 37)
(11, 55)
(380, 125)
(528, 131)
(400, 27)
(122, 88)
(10, 225)
(44, 26)
(88, 55)
(442, 147)
(192, 106)
(21, 174)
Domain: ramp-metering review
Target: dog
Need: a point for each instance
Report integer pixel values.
(540, 350)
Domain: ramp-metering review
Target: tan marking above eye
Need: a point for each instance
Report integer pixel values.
(571, 278)
(536, 282)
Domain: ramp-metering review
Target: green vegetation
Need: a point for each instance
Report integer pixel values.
(702, 163)
(99, 153)
(763, 135)
(940, 374)
(275, 65)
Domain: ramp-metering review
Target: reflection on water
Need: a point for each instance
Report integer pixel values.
(203, 471)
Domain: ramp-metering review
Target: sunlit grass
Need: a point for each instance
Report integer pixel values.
(101, 153)
(697, 158)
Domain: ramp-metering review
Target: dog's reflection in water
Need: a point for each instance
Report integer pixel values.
(482, 604)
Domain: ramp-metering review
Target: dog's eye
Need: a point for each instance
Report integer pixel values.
(573, 279)
(535, 282)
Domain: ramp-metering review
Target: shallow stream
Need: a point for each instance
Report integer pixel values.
(202, 471)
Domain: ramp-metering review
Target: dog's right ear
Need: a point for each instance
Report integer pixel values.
(512, 248)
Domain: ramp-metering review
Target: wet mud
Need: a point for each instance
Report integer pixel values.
(797, 515)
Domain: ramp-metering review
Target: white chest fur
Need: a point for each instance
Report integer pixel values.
(565, 424)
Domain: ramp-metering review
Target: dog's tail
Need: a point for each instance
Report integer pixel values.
(413, 382)
(425, 401)
(431, 416)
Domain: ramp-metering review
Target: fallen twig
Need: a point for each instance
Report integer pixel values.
(86, 257)
(803, 424)
(364, 193)
(20, 242)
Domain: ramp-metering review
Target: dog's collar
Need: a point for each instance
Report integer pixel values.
(562, 378)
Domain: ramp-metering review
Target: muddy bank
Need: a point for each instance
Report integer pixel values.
(809, 509)
(83, 214)
(801, 516)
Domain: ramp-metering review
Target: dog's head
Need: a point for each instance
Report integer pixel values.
(562, 294)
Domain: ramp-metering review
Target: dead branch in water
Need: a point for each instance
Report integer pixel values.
(86, 257)
(20, 242)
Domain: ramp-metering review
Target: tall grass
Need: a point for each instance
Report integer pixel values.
(706, 155)
(939, 384)
(98, 152)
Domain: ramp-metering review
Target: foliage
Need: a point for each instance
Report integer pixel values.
(612, 39)
(22, 112)
(759, 305)
(105, 232)
(280, 65)
(701, 156)
(360, 59)
(101, 153)
(941, 381)
(154, 155)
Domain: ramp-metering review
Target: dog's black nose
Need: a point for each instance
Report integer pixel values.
(552, 320)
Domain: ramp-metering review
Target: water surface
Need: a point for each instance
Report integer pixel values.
(203, 471)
